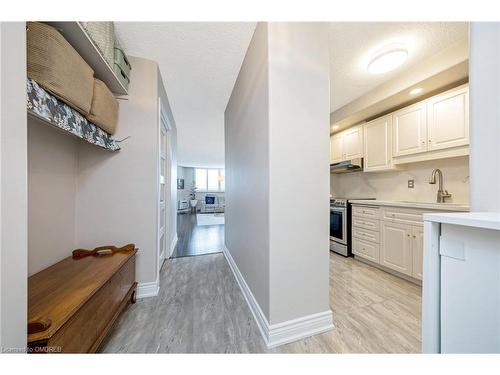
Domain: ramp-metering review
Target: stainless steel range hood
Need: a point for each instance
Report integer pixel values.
(348, 166)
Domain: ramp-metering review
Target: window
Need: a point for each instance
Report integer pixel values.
(209, 179)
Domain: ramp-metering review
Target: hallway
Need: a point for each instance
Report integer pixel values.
(200, 309)
(196, 239)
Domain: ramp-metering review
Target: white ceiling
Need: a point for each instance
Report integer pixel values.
(353, 44)
(199, 62)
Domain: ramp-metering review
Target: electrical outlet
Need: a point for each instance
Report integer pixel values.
(411, 184)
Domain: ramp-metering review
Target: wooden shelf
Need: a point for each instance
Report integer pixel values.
(81, 42)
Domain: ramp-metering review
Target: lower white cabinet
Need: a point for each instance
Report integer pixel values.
(366, 249)
(390, 236)
(417, 251)
(396, 251)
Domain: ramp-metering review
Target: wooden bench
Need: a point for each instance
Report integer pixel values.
(73, 304)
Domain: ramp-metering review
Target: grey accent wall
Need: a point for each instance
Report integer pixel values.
(277, 169)
(83, 196)
(247, 169)
(52, 189)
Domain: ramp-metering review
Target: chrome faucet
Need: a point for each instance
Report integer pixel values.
(441, 194)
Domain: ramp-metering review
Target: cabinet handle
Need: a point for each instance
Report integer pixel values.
(423, 142)
(408, 235)
(430, 141)
(414, 236)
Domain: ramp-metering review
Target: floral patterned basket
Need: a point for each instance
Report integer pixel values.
(47, 107)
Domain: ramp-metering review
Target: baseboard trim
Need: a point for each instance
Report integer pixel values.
(255, 309)
(145, 290)
(281, 333)
(173, 244)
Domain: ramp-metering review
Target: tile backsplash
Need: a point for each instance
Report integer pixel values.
(393, 185)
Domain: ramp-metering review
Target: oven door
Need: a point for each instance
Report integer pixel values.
(338, 224)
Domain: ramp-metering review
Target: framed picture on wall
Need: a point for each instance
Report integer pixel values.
(180, 183)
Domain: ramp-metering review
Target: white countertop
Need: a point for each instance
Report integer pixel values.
(408, 204)
(486, 220)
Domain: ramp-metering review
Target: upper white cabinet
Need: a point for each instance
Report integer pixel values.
(336, 149)
(353, 143)
(378, 144)
(435, 128)
(346, 145)
(448, 119)
(410, 130)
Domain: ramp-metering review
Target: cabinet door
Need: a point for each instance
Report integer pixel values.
(366, 249)
(409, 130)
(417, 251)
(353, 143)
(336, 148)
(378, 144)
(396, 247)
(448, 119)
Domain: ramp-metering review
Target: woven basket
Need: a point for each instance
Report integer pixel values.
(104, 109)
(103, 36)
(55, 65)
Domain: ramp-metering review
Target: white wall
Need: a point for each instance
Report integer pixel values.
(247, 169)
(299, 153)
(52, 189)
(13, 186)
(484, 94)
(277, 127)
(393, 185)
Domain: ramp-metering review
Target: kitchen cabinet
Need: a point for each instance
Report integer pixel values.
(448, 119)
(409, 129)
(417, 251)
(336, 150)
(352, 140)
(366, 249)
(396, 252)
(378, 144)
(346, 145)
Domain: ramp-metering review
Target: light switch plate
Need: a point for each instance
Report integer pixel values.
(411, 184)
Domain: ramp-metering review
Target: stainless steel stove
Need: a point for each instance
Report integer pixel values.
(340, 225)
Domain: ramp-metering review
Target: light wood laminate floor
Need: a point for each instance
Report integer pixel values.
(200, 309)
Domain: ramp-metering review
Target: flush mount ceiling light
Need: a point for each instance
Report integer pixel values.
(416, 90)
(335, 127)
(387, 60)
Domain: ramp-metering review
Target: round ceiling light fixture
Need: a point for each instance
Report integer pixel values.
(387, 60)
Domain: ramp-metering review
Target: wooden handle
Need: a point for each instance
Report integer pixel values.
(102, 250)
(39, 325)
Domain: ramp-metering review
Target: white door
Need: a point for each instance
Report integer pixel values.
(395, 252)
(163, 177)
(378, 144)
(336, 149)
(409, 130)
(353, 143)
(417, 251)
(448, 119)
